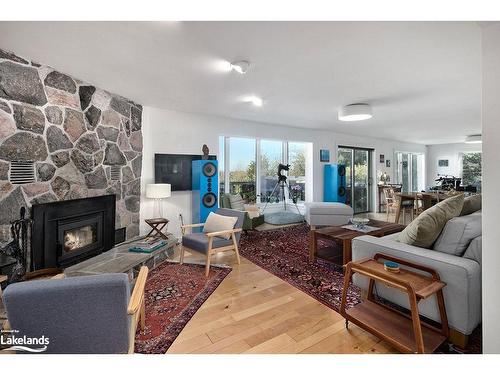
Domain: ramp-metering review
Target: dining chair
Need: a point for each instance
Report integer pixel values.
(390, 201)
(422, 203)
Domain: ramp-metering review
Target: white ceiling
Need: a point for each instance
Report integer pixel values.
(423, 79)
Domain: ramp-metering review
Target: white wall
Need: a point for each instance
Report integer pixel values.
(491, 182)
(174, 132)
(451, 152)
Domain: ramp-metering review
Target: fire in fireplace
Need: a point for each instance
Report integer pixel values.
(75, 239)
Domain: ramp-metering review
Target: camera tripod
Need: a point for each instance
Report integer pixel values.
(282, 182)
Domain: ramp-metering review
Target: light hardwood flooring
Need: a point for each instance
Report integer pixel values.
(253, 311)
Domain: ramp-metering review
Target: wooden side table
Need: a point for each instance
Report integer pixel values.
(157, 225)
(405, 332)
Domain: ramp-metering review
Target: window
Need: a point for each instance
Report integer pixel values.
(271, 155)
(242, 170)
(297, 174)
(471, 169)
(240, 173)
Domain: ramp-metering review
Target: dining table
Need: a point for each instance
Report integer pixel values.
(428, 196)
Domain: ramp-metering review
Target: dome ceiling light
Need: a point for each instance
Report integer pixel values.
(355, 112)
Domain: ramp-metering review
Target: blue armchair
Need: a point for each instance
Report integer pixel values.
(85, 314)
(210, 243)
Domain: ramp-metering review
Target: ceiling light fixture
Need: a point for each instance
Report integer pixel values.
(240, 66)
(355, 112)
(476, 138)
(255, 100)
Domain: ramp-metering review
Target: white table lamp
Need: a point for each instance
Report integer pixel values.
(158, 192)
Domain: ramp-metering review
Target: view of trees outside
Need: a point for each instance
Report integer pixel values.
(271, 155)
(357, 185)
(242, 168)
(471, 169)
(345, 157)
(297, 173)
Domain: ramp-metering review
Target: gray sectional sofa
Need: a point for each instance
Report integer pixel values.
(455, 255)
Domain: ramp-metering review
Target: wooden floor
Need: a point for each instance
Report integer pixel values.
(253, 311)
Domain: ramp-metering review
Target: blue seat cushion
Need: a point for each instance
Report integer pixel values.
(199, 242)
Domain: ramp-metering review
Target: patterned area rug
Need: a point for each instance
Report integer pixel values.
(173, 294)
(284, 253)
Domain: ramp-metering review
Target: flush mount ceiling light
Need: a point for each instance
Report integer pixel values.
(355, 112)
(240, 66)
(476, 138)
(255, 100)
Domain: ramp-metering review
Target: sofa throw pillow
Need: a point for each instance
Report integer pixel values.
(425, 229)
(458, 234)
(237, 202)
(471, 204)
(217, 223)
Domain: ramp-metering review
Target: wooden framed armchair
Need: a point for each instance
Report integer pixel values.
(84, 314)
(212, 243)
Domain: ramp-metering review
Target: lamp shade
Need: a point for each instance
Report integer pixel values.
(158, 191)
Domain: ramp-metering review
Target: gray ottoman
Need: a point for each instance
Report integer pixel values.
(328, 214)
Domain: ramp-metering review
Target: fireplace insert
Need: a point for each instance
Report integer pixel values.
(67, 232)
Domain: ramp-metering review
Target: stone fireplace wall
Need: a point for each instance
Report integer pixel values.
(84, 141)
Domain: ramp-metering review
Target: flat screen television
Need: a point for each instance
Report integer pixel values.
(175, 169)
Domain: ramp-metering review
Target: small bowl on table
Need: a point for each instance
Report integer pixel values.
(391, 266)
(359, 222)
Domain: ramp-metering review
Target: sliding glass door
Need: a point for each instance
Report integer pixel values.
(358, 176)
(410, 171)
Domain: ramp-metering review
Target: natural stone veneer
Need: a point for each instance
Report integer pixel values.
(73, 132)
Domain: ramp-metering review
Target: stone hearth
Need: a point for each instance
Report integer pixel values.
(74, 133)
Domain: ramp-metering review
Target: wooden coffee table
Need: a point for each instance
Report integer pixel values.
(344, 237)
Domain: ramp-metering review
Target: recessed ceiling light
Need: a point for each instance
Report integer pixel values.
(355, 112)
(240, 66)
(255, 100)
(476, 138)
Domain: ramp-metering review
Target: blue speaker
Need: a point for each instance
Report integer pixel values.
(334, 188)
(205, 186)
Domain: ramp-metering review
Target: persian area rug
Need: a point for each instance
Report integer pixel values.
(284, 252)
(173, 294)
